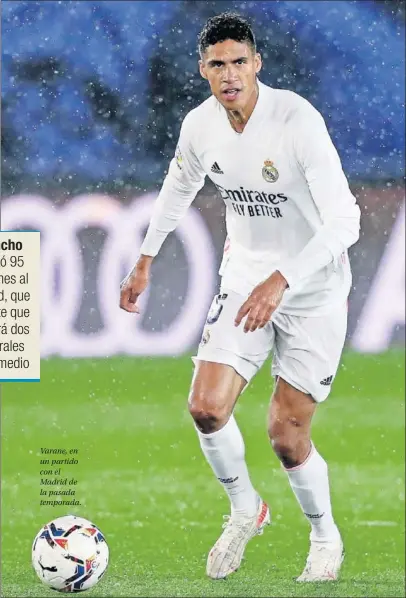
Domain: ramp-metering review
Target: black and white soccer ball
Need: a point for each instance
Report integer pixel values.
(70, 554)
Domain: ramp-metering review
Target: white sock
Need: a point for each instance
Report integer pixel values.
(309, 482)
(225, 452)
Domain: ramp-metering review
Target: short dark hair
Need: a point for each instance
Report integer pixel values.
(228, 25)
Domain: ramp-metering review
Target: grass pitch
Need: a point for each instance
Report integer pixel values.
(142, 479)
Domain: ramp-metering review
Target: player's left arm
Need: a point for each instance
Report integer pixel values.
(339, 214)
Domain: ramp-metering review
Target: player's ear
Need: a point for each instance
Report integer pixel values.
(258, 62)
(202, 69)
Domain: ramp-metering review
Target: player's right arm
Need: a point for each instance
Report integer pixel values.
(184, 179)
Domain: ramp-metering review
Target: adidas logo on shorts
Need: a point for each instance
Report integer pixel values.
(327, 381)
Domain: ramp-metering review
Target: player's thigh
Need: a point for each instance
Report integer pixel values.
(307, 350)
(224, 343)
(290, 413)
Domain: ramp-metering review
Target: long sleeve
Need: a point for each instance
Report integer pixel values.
(181, 185)
(339, 213)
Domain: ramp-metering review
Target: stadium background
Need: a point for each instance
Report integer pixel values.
(93, 95)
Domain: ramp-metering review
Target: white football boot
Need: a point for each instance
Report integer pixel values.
(324, 561)
(226, 555)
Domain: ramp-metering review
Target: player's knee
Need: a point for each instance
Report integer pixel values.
(207, 420)
(285, 449)
(288, 441)
(207, 416)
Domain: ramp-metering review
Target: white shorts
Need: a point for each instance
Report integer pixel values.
(306, 350)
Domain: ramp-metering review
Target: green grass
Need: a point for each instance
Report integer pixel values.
(143, 480)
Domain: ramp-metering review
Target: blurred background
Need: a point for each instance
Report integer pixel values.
(93, 95)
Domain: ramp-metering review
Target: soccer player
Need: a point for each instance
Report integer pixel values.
(285, 273)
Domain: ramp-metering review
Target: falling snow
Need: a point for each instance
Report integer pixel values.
(71, 116)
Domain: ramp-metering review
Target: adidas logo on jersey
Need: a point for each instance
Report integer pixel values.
(216, 168)
(327, 381)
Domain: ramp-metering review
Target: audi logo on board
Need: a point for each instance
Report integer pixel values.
(63, 274)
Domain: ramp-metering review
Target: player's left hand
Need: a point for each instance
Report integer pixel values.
(262, 302)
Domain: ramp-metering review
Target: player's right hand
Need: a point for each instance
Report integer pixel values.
(131, 288)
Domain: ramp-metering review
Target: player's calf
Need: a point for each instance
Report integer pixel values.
(214, 391)
(289, 432)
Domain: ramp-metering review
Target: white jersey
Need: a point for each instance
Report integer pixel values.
(288, 204)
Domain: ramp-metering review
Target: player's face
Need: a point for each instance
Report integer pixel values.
(231, 68)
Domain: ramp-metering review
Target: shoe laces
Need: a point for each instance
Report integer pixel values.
(235, 528)
(315, 561)
(240, 521)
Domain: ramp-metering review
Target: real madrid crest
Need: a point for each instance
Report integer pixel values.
(269, 172)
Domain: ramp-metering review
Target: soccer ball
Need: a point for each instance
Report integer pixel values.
(70, 554)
